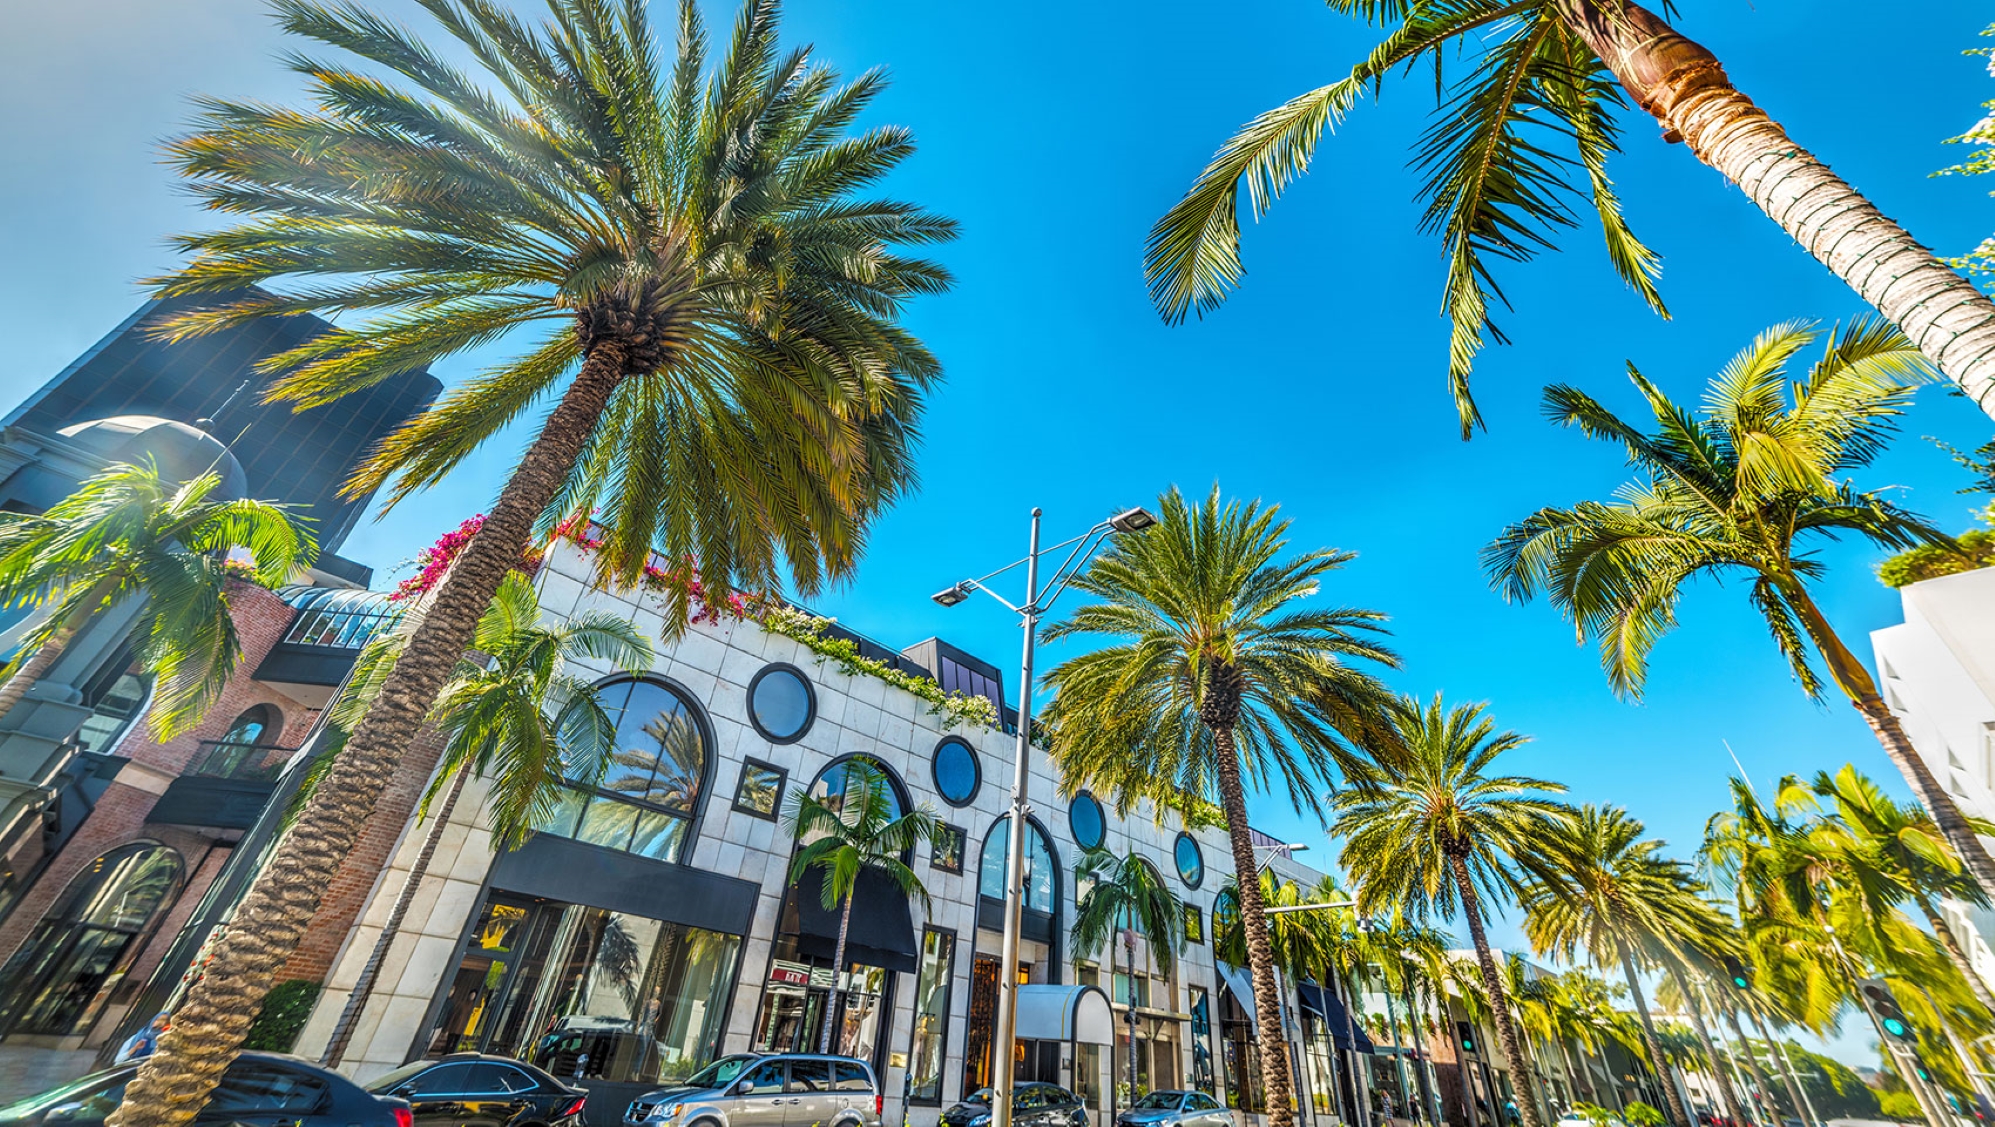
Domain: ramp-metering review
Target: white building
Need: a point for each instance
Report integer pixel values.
(1937, 671)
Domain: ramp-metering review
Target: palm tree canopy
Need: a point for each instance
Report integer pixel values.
(860, 831)
(1126, 892)
(127, 532)
(1431, 797)
(1898, 840)
(1300, 942)
(1597, 887)
(1199, 610)
(1522, 134)
(1742, 484)
(575, 183)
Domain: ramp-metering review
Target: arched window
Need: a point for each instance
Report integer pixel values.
(830, 785)
(258, 726)
(91, 933)
(646, 797)
(1042, 874)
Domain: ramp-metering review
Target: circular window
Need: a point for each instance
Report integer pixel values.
(1191, 863)
(957, 774)
(1085, 818)
(781, 704)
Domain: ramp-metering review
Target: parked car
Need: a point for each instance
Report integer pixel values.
(766, 1090)
(1032, 1105)
(258, 1090)
(474, 1090)
(1169, 1107)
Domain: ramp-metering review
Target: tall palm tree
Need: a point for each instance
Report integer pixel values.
(1497, 187)
(516, 719)
(1298, 941)
(858, 831)
(1904, 843)
(1126, 892)
(1599, 888)
(696, 286)
(1430, 829)
(1214, 681)
(128, 534)
(1742, 486)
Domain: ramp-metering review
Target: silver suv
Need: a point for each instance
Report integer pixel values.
(766, 1090)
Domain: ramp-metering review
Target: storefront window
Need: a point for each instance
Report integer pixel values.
(97, 926)
(931, 1016)
(1201, 1040)
(1243, 1056)
(799, 992)
(589, 993)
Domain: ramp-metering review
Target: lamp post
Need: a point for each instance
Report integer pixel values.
(1037, 601)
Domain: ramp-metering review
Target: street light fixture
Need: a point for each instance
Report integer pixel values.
(1038, 600)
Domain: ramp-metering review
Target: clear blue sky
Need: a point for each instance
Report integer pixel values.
(1057, 132)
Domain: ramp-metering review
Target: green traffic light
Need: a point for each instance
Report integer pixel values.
(1739, 980)
(1896, 1027)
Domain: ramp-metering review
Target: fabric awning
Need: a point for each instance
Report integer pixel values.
(1065, 1013)
(1240, 984)
(882, 932)
(1326, 1005)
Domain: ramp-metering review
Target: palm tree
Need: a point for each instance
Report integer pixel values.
(1904, 844)
(1126, 892)
(1428, 830)
(860, 830)
(701, 294)
(1599, 888)
(1740, 486)
(127, 534)
(1215, 681)
(516, 719)
(1495, 188)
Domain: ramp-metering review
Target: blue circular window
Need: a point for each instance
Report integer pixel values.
(957, 773)
(781, 704)
(1086, 819)
(1191, 863)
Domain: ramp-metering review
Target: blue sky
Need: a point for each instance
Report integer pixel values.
(1056, 133)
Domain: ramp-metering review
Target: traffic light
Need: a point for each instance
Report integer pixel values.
(1465, 1036)
(1919, 1067)
(1737, 971)
(1885, 1006)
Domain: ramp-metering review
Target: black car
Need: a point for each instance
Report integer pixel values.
(1032, 1105)
(258, 1090)
(474, 1090)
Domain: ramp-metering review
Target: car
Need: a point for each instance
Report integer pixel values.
(766, 1090)
(1032, 1105)
(476, 1090)
(258, 1090)
(1171, 1107)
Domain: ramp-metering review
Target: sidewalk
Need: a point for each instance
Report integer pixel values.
(25, 1071)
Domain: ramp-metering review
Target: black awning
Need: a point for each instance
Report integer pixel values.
(882, 932)
(1327, 1006)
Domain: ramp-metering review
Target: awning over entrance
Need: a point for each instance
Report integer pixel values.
(882, 932)
(1065, 1013)
(1330, 1008)
(1242, 986)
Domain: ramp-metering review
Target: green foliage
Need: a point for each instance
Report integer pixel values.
(127, 533)
(285, 1010)
(954, 707)
(1126, 892)
(1930, 561)
(578, 184)
(1980, 260)
(1600, 1116)
(855, 830)
(1902, 1106)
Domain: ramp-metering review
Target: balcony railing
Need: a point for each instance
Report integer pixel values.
(221, 759)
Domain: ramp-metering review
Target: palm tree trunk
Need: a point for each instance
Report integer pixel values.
(208, 1028)
(1752, 1063)
(1718, 1072)
(1855, 681)
(1786, 1069)
(364, 985)
(1499, 1002)
(837, 970)
(1275, 1079)
(1685, 87)
(1660, 1063)
(34, 669)
(1954, 954)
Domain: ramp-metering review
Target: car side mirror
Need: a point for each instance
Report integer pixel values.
(404, 1091)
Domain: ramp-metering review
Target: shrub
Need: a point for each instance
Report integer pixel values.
(1930, 561)
(284, 1013)
(1903, 1106)
(1642, 1115)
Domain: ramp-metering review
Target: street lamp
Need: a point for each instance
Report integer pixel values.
(1038, 601)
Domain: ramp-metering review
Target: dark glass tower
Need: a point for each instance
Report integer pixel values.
(299, 457)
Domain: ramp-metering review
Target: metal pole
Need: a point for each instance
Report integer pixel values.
(1974, 1079)
(1814, 1118)
(1887, 1045)
(1004, 1044)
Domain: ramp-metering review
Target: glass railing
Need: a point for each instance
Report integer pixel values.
(222, 759)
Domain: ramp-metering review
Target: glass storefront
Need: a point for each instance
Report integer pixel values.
(588, 993)
(1201, 1041)
(931, 1016)
(800, 990)
(54, 983)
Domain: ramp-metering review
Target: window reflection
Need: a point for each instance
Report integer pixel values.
(931, 1016)
(651, 786)
(1040, 871)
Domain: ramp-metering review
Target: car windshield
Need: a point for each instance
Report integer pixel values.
(45, 1100)
(720, 1073)
(980, 1096)
(1166, 1101)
